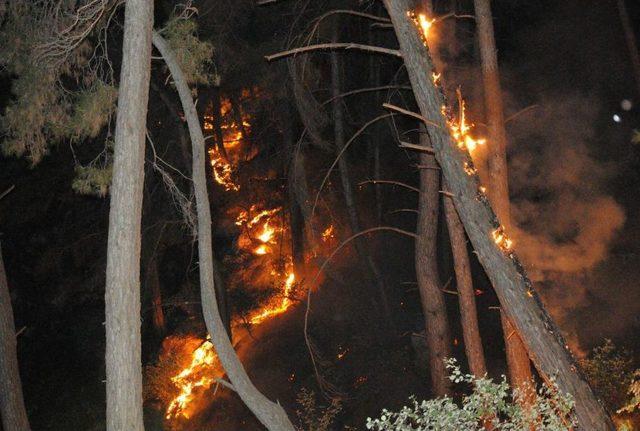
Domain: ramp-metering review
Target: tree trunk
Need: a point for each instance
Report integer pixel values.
(122, 298)
(632, 44)
(426, 253)
(296, 215)
(157, 314)
(270, 414)
(518, 363)
(347, 187)
(466, 294)
(217, 122)
(542, 339)
(12, 410)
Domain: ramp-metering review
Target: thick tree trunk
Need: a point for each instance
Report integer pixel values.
(426, 254)
(518, 363)
(12, 410)
(347, 187)
(466, 294)
(632, 43)
(270, 414)
(522, 305)
(122, 298)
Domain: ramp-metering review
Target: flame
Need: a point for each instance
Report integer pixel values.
(460, 128)
(328, 234)
(267, 233)
(279, 308)
(261, 250)
(191, 378)
(232, 137)
(501, 239)
(425, 25)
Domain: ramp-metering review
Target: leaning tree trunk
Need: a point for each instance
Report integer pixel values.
(466, 294)
(542, 339)
(347, 187)
(12, 410)
(270, 414)
(426, 253)
(122, 297)
(518, 362)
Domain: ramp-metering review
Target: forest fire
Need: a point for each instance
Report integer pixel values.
(196, 376)
(260, 234)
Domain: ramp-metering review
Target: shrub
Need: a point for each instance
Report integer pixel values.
(489, 403)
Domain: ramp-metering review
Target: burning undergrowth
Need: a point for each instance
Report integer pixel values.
(259, 274)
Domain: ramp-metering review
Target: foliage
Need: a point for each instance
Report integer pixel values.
(92, 180)
(91, 111)
(634, 391)
(309, 415)
(52, 101)
(489, 403)
(610, 372)
(193, 55)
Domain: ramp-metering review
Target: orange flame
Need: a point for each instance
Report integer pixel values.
(501, 239)
(282, 306)
(191, 378)
(328, 234)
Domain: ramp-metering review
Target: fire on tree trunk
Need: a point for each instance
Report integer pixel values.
(522, 305)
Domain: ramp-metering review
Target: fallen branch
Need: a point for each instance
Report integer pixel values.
(334, 46)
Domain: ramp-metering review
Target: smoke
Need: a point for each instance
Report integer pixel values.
(566, 220)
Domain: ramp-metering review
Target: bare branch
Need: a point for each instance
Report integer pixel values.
(6, 192)
(367, 90)
(421, 148)
(408, 113)
(396, 183)
(335, 162)
(334, 46)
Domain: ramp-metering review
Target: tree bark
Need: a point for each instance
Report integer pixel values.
(12, 410)
(518, 362)
(630, 38)
(122, 298)
(426, 253)
(542, 339)
(157, 314)
(347, 187)
(466, 294)
(296, 215)
(270, 414)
